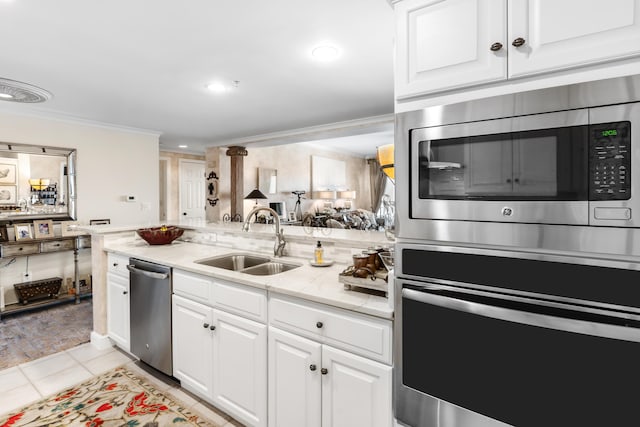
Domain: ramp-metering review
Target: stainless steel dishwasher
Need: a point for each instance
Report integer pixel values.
(150, 313)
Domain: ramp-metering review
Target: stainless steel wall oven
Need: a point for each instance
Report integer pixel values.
(485, 338)
(517, 296)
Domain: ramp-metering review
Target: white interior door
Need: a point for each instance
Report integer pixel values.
(192, 189)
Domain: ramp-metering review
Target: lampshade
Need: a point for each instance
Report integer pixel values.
(347, 194)
(255, 194)
(39, 183)
(325, 194)
(385, 158)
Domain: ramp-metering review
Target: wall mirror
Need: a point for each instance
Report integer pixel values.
(37, 182)
(267, 180)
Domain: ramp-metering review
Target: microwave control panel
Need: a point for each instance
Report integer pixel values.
(610, 161)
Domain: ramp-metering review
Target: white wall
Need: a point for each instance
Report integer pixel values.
(112, 163)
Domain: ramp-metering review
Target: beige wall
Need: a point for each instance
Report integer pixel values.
(112, 163)
(293, 165)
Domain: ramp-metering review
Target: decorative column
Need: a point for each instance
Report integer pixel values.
(237, 183)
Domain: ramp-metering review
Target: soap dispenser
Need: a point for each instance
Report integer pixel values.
(318, 253)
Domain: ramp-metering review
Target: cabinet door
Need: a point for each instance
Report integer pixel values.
(192, 345)
(118, 310)
(571, 33)
(294, 380)
(356, 392)
(447, 44)
(240, 367)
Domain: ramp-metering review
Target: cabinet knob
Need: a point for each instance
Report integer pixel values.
(115, 264)
(324, 371)
(496, 47)
(508, 180)
(206, 325)
(518, 42)
(312, 367)
(319, 325)
(124, 292)
(213, 328)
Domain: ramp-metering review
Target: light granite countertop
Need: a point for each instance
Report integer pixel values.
(317, 284)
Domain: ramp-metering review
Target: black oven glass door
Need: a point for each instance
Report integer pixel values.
(543, 164)
(519, 366)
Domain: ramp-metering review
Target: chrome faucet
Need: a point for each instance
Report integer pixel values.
(278, 247)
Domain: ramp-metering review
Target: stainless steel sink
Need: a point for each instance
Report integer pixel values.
(269, 268)
(235, 262)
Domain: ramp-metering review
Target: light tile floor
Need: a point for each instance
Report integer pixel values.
(32, 381)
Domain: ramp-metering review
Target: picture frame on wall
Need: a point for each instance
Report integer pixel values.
(43, 229)
(7, 173)
(22, 231)
(8, 194)
(292, 216)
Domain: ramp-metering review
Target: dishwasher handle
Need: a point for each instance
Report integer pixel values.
(151, 274)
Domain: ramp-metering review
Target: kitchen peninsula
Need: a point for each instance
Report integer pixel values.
(238, 337)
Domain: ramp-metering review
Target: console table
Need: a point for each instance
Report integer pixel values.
(45, 246)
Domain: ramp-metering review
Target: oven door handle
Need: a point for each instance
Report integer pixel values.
(560, 323)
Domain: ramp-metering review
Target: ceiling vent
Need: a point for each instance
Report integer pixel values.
(13, 91)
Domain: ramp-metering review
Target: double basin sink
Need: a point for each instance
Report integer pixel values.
(248, 263)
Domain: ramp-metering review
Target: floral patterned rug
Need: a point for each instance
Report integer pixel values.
(116, 398)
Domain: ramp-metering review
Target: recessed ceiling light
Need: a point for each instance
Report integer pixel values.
(217, 87)
(325, 52)
(182, 146)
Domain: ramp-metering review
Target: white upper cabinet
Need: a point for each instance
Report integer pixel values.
(571, 33)
(447, 44)
(444, 45)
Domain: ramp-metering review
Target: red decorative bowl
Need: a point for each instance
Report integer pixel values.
(160, 235)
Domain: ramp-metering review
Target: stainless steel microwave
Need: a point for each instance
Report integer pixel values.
(568, 167)
(553, 169)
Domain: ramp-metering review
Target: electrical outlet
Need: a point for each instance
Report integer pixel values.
(27, 277)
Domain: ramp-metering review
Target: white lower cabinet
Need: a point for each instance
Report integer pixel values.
(294, 380)
(193, 346)
(222, 358)
(313, 384)
(118, 301)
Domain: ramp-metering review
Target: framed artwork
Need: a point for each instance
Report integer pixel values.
(99, 221)
(292, 216)
(23, 231)
(4, 237)
(7, 173)
(43, 229)
(69, 228)
(8, 194)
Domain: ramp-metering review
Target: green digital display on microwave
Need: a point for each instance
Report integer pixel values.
(610, 132)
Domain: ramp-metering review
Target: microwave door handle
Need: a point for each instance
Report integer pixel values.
(523, 317)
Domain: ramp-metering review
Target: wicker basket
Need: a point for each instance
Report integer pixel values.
(38, 289)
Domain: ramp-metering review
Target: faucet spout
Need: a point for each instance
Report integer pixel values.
(278, 247)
